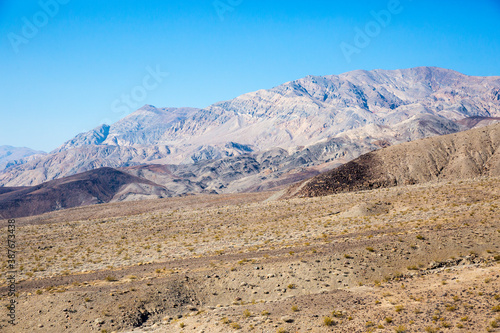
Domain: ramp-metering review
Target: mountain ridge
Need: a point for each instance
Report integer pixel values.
(10, 154)
(470, 154)
(390, 106)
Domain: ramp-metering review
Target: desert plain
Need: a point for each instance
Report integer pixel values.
(416, 258)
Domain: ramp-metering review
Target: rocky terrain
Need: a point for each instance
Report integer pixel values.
(362, 108)
(414, 258)
(470, 154)
(272, 169)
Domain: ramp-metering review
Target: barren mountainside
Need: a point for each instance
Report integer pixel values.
(465, 155)
(379, 107)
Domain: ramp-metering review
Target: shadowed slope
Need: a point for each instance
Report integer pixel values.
(92, 187)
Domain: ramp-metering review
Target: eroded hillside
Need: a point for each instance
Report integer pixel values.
(465, 155)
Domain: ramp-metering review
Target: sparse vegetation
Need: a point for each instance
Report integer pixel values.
(110, 278)
(328, 321)
(250, 244)
(235, 326)
(401, 329)
(399, 308)
(337, 314)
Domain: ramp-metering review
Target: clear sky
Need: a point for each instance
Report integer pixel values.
(68, 66)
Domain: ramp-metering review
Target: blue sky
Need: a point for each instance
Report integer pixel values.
(75, 69)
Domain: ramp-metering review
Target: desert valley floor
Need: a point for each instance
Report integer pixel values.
(420, 258)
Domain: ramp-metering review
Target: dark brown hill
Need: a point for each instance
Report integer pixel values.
(478, 121)
(463, 155)
(93, 187)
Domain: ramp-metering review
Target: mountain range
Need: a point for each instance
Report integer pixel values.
(269, 139)
(365, 108)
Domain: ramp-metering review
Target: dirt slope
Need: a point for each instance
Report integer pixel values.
(464, 155)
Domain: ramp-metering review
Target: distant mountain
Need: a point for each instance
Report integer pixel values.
(92, 187)
(144, 127)
(363, 109)
(458, 156)
(260, 171)
(9, 154)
